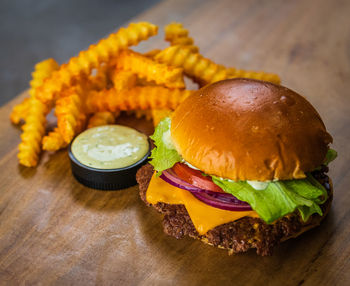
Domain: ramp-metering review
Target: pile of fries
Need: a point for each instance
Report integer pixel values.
(95, 86)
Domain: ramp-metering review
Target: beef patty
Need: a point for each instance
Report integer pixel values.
(239, 235)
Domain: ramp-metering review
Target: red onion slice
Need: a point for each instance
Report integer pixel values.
(170, 177)
(223, 201)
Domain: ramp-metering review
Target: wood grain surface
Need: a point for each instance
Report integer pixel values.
(55, 231)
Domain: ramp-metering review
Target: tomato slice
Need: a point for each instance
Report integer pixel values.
(195, 178)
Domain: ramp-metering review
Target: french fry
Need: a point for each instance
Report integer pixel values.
(183, 42)
(235, 73)
(145, 82)
(147, 97)
(175, 30)
(20, 111)
(42, 70)
(151, 70)
(93, 57)
(204, 70)
(123, 79)
(194, 64)
(33, 131)
(126, 80)
(151, 54)
(35, 117)
(70, 113)
(159, 114)
(191, 48)
(102, 118)
(176, 34)
(53, 141)
(99, 81)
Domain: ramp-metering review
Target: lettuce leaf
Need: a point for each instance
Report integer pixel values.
(330, 156)
(164, 156)
(279, 198)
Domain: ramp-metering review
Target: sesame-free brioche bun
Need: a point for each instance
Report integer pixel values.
(244, 129)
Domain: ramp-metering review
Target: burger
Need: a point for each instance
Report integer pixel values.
(240, 164)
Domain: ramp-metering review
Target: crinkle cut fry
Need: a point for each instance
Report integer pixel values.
(54, 141)
(70, 113)
(20, 111)
(33, 131)
(151, 70)
(175, 30)
(123, 79)
(139, 113)
(146, 97)
(99, 81)
(159, 114)
(151, 54)
(42, 70)
(145, 82)
(176, 34)
(102, 118)
(70, 120)
(271, 77)
(35, 125)
(194, 64)
(93, 57)
(203, 69)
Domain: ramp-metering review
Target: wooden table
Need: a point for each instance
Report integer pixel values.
(55, 231)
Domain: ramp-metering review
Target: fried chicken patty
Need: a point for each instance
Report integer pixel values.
(242, 234)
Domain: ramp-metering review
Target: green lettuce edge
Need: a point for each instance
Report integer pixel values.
(163, 156)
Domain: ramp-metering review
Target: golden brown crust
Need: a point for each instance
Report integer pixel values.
(244, 129)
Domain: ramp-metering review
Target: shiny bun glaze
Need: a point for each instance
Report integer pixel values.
(245, 129)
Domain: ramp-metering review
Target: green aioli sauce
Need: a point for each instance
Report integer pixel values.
(110, 147)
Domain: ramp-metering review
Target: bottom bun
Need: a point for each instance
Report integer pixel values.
(240, 235)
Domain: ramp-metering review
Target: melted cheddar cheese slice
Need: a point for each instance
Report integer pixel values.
(203, 216)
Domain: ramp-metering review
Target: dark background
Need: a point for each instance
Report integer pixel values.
(33, 30)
